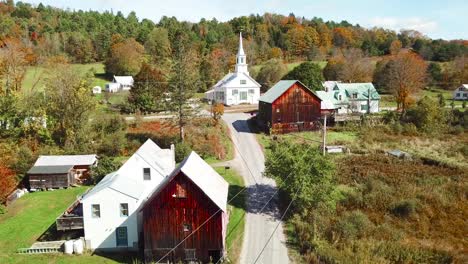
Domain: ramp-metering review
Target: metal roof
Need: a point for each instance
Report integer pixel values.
(50, 169)
(204, 176)
(125, 80)
(361, 89)
(60, 160)
(276, 91)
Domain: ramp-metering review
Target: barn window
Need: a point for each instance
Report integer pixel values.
(146, 174)
(235, 92)
(181, 191)
(190, 254)
(186, 227)
(95, 211)
(277, 110)
(243, 81)
(124, 209)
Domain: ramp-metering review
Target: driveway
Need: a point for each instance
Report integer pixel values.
(249, 161)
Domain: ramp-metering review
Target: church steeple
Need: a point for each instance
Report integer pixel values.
(241, 58)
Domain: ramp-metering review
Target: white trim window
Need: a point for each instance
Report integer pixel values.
(124, 209)
(96, 211)
(235, 92)
(146, 174)
(243, 81)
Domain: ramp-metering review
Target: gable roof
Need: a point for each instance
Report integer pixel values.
(228, 78)
(202, 175)
(160, 159)
(116, 183)
(280, 88)
(328, 100)
(125, 80)
(50, 169)
(62, 160)
(361, 89)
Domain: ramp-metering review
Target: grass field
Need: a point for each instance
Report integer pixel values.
(236, 209)
(29, 217)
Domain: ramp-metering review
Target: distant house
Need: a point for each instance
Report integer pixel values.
(96, 89)
(461, 93)
(350, 98)
(289, 106)
(237, 87)
(120, 83)
(192, 199)
(60, 171)
(110, 210)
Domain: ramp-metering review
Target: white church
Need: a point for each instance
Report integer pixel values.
(236, 87)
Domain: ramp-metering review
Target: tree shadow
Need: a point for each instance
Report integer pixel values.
(52, 234)
(241, 126)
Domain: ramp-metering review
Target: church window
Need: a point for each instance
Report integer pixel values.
(235, 92)
(251, 91)
(243, 95)
(243, 81)
(242, 60)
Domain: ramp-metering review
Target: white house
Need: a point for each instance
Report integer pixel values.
(96, 89)
(120, 83)
(236, 87)
(110, 210)
(350, 98)
(461, 93)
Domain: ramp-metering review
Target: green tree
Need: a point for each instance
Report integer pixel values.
(148, 91)
(308, 73)
(182, 81)
(158, 45)
(428, 116)
(271, 73)
(105, 166)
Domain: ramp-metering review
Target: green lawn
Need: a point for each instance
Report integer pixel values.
(29, 217)
(236, 209)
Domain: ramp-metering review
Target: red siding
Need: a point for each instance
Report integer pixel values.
(295, 110)
(164, 218)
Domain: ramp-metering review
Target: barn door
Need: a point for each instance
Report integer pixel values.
(121, 236)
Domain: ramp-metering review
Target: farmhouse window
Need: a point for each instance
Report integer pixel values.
(124, 209)
(340, 97)
(146, 174)
(354, 95)
(243, 81)
(95, 211)
(364, 107)
(181, 191)
(235, 92)
(465, 95)
(458, 94)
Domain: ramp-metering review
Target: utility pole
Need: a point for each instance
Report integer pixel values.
(324, 134)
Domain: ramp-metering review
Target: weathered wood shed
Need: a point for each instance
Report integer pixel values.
(289, 106)
(187, 212)
(45, 177)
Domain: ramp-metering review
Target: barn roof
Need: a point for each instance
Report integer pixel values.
(50, 169)
(61, 160)
(278, 89)
(204, 176)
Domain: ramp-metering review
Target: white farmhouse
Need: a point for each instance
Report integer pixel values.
(236, 87)
(110, 210)
(461, 93)
(120, 83)
(350, 98)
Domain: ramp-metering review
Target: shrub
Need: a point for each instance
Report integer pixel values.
(353, 225)
(105, 166)
(404, 208)
(182, 150)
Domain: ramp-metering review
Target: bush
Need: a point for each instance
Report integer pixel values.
(3, 209)
(404, 208)
(105, 166)
(353, 225)
(182, 150)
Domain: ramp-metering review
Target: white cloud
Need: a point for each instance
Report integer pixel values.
(422, 25)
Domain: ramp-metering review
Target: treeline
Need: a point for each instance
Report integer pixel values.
(88, 36)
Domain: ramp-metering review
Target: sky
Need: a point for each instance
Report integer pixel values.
(434, 18)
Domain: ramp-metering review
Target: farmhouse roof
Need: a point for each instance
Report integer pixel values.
(202, 175)
(361, 89)
(50, 169)
(125, 80)
(71, 160)
(278, 89)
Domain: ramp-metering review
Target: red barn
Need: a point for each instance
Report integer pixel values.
(289, 106)
(188, 208)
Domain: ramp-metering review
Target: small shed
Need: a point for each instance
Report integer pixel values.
(189, 204)
(46, 177)
(289, 106)
(461, 93)
(125, 82)
(96, 89)
(112, 87)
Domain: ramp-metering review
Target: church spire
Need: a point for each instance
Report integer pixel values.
(241, 58)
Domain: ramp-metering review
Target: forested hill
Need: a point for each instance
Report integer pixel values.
(88, 36)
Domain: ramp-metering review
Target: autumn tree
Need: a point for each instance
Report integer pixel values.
(403, 75)
(217, 110)
(349, 66)
(7, 182)
(271, 72)
(343, 37)
(395, 47)
(12, 66)
(125, 58)
(148, 91)
(182, 82)
(308, 73)
(69, 105)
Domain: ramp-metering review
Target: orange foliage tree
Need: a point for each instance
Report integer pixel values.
(7, 182)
